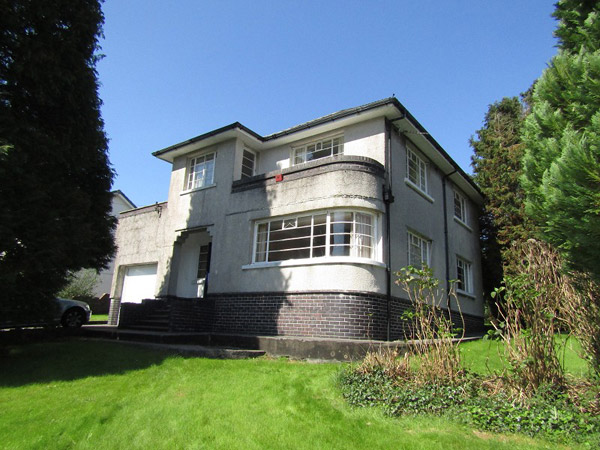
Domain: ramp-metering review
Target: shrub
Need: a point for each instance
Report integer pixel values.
(81, 285)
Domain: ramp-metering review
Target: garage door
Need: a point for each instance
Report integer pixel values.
(139, 283)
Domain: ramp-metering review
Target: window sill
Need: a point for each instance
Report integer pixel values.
(465, 294)
(418, 190)
(460, 222)
(314, 262)
(189, 191)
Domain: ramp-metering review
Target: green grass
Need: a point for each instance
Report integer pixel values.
(107, 395)
(486, 356)
(96, 317)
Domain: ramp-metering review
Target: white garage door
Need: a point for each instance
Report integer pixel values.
(139, 283)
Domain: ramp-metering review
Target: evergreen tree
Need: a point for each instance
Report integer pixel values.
(496, 162)
(55, 177)
(562, 138)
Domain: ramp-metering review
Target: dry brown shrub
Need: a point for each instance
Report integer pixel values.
(529, 317)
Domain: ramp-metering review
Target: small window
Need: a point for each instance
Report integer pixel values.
(248, 163)
(464, 275)
(203, 261)
(460, 207)
(317, 150)
(416, 170)
(419, 251)
(201, 171)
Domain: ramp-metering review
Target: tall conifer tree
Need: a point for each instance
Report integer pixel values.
(55, 177)
(497, 167)
(562, 138)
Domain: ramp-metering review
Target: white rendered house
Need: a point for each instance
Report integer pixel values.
(299, 232)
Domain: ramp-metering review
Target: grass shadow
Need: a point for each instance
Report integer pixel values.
(68, 360)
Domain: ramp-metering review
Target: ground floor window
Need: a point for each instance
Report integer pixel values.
(317, 235)
(419, 251)
(464, 275)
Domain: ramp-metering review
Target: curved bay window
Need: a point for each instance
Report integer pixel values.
(317, 235)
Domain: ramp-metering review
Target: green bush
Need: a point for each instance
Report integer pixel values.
(81, 285)
(548, 414)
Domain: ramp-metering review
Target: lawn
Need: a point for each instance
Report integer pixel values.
(107, 395)
(485, 356)
(99, 317)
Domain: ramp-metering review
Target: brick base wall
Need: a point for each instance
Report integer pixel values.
(192, 315)
(350, 315)
(335, 314)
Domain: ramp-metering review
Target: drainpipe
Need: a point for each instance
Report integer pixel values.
(388, 199)
(446, 246)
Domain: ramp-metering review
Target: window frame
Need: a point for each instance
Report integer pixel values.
(421, 240)
(302, 149)
(462, 202)
(255, 160)
(421, 181)
(190, 175)
(467, 270)
(354, 238)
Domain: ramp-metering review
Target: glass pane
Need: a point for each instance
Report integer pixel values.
(300, 156)
(340, 250)
(305, 221)
(261, 242)
(318, 252)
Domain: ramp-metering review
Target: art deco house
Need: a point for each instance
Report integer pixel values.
(298, 233)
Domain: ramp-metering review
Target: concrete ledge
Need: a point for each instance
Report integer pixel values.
(297, 347)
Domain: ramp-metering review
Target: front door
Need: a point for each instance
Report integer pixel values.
(203, 269)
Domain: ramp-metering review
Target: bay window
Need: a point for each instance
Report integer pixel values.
(317, 235)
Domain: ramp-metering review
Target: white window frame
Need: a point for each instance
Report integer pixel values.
(424, 245)
(191, 178)
(255, 155)
(467, 270)
(289, 222)
(420, 181)
(299, 153)
(461, 202)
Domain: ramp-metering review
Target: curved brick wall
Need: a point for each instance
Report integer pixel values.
(350, 315)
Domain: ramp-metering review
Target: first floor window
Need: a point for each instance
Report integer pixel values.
(419, 250)
(201, 171)
(416, 170)
(331, 233)
(318, 150)
(248, 163)
(460, 207)
(464, 275)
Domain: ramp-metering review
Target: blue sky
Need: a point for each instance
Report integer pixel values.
(176, 69)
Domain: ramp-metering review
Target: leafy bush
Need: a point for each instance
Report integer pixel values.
(476, 402)
(81, 285)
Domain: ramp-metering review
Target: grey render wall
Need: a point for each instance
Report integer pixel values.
(413, 212)
(229, 216)
(226, 212)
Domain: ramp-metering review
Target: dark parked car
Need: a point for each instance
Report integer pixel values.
(69, 314)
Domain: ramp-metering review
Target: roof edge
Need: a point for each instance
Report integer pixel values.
(232, 126)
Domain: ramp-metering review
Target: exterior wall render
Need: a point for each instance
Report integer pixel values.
(413, 212)
(305, 292)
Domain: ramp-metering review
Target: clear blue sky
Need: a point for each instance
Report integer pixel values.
(176, 69)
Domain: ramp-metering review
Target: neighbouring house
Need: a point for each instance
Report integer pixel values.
(298, 233)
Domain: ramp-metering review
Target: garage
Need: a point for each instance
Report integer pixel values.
(139, 283)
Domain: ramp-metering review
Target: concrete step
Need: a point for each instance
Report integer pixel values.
(148, 327)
